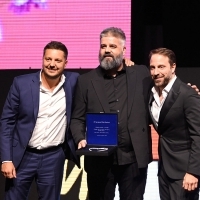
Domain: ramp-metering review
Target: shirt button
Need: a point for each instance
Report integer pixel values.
(118, 111)
(117, 100)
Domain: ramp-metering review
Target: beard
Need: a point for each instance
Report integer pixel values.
(162, 83)
(108, 64)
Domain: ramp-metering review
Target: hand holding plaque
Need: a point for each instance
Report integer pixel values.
(101, 134)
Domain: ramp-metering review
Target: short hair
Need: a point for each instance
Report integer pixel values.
(165, 52)
(56, 45)
(115, 32)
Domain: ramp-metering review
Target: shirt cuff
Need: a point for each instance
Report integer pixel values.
(6, 161)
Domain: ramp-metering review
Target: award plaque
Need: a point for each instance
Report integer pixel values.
(101, 134)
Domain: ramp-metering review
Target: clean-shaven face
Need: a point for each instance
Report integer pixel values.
(111, 52)
(54, 63)
(161, 70)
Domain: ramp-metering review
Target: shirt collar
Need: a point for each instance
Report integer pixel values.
(123, 71)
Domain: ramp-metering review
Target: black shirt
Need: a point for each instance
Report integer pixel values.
(116, 90)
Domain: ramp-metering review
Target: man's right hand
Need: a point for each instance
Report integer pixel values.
(190, 182)
(82, 144)
(128, 62)
(8, 170)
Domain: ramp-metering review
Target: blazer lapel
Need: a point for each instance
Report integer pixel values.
(131, 84)
(68, 93)
(35, 91)
(170, 100)
(99, 87)
(151, 99)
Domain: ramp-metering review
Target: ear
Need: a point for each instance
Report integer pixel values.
(173, 68)
(124, 50)
(66, 61)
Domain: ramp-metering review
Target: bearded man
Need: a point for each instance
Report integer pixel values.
(115, 88)
(175, 112)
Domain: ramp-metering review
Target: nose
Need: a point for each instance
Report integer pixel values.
(156, 71)
(108, 49)
(52, 64)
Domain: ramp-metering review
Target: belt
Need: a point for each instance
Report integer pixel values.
(41, 151)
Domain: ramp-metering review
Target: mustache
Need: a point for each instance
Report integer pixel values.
(50, 67)
(157, 76)
(108, 55)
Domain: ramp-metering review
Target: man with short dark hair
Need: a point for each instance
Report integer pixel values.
(112, 87)
(175, 112)
(34, 128)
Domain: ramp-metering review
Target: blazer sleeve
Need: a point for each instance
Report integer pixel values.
(77, 125)
(192, 114)
(8, 122)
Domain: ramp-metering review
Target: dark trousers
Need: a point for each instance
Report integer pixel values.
(47, 170)
(131, 181)
(171, 189)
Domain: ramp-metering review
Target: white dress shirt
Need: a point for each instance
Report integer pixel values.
(51, 121)
(157, 104)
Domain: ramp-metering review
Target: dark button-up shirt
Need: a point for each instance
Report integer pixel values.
(116, 91)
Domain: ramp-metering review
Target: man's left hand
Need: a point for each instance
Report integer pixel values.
(190, 182)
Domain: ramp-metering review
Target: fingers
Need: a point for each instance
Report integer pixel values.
(128, 62)
(79, 145)
(190, 187)
(8, 170)
(14, 173)
(195, 88)
(9, 175)
(82, 144)
(190, 182)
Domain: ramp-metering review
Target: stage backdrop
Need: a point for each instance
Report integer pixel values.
(26, 26)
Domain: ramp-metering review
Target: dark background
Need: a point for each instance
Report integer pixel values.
(174, 24)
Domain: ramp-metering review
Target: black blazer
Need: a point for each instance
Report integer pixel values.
(90, 96)
(179, 131)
